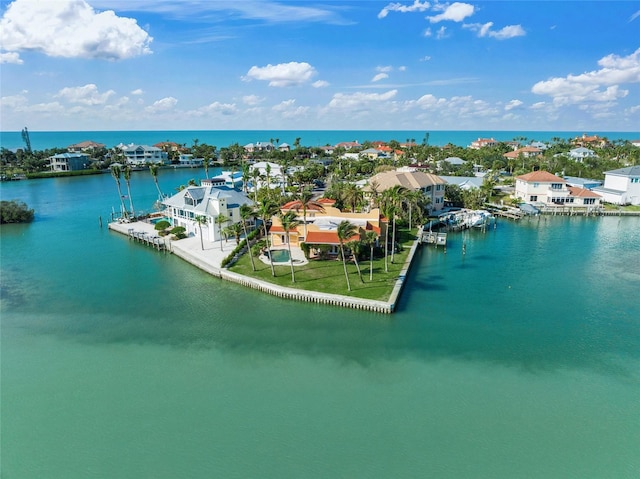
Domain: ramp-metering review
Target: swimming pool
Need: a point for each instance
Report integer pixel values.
(279, 255)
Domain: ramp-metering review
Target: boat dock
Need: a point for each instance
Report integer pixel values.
(155, 242)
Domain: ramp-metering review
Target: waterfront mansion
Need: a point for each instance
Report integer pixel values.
(544, 188)
(210, 202)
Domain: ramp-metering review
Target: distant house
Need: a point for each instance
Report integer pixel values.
(482, 142)
(259, 146)
(84, 146)
(372, 153)
(68, 162)
(284, 147)
(432, 186)
(207, 201)
(542, 187)
(621, 186)
(525, 152)
(635, 143)
(169, 146)
(187, 159)
(593, 140)
(140, 155)
(581, 153)
(454, 161)
(348, 145)
(464, 182)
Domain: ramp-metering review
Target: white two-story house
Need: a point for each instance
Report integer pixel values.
(621, 186)
(141, 155)
(541, 187)
(209, 201)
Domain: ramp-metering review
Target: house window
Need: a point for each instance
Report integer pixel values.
(635, 180)
(556, 186)
(535, 185)
(589, 201)
(533, 198)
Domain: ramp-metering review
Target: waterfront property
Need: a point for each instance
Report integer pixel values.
(219, 205)
(546, 189)
(141, 155)
(320, 231)
(621, 186)
(68, 162)
(432, 186)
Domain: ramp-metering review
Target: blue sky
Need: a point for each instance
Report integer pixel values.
(262, 64)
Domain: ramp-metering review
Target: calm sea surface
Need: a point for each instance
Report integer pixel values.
(41, 140)
(520, 359)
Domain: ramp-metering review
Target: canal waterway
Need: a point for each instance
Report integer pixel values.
(519, 358)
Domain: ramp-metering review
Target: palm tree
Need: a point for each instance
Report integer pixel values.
(246, 212)
(255, 176)
(153, 169)
(205, 164)
(220, 220)
(370, 238)
(394, 198)
(345, 231)
(116, 172)
(305, 197)
(201, 220)
(289, 221)
(245, 178)
(356, 246)
(126, 172)
(235, 230)
(265, 210)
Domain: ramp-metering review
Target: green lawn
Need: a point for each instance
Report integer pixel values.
(327, 276)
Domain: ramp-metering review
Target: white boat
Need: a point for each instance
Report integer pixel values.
(479, 218)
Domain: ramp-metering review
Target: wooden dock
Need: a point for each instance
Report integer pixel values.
(155, 242)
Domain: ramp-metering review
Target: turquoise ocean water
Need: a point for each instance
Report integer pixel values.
(519, 359)
(222, 138)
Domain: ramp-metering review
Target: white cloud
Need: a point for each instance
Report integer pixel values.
(384, 69)
(11, 57)
(70, 28)
(416, 6)
(283, 74)
(252, 100)
(360, 99)
(441, 33)
(138, 91)
(320, 84)
(379, 76)
(456, 12)
(484, 30)
(634, 16)
(425, 58)
(13, 101)
(599, 85)
(216, 107)
(513, 104)
(287, 109)
(84, 95)
(164, 104)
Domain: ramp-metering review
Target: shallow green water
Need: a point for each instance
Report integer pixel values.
(518, 359)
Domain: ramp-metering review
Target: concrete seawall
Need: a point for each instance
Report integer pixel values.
(210, 263)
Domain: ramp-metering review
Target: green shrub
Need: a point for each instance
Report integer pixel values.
(15, 211)
(162, 225)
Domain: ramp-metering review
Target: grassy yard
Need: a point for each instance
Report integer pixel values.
(327, 276)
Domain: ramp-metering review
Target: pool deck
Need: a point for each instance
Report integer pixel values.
(209, 259)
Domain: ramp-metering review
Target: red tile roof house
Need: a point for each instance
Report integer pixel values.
(322, 225)
(546, 189)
